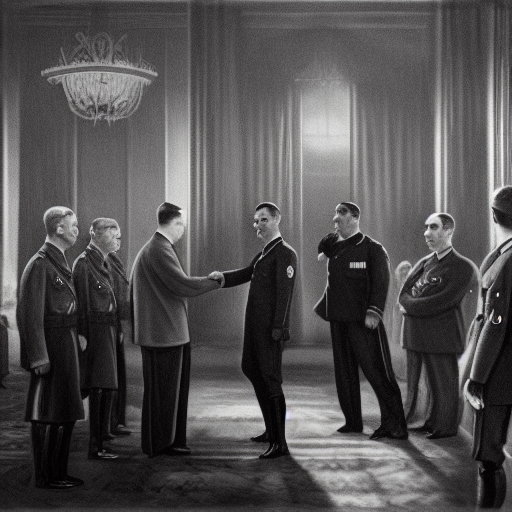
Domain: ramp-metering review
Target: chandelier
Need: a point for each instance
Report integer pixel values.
(99, 80)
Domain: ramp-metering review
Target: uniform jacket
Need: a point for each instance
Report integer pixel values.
(159, 288)
(47, 320)
(433, 322)
(272, 275)
(492, 364)
(98, 320)
(357, 280)
(121, 286)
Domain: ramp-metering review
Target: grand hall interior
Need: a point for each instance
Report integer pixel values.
(400, 106)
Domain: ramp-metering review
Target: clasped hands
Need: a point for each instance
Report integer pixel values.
(217, 276)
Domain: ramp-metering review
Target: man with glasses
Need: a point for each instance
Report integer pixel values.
(353, 303)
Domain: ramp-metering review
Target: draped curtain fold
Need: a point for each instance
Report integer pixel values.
(241, 154)
(473, 115)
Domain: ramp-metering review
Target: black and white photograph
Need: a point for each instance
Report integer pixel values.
(256, 255)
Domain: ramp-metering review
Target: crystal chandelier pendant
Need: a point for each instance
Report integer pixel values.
(99, 80)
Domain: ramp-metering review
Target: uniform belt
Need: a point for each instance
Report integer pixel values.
(102, 317)
(60, 321)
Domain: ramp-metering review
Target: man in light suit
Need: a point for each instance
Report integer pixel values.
(159, 288)
(433, 332)
(489, 388)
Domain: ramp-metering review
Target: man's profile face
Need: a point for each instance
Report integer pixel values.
(68, 230)
(176, 228)
(344, 222)
(265, 225)
(436, 236)
(110, 240)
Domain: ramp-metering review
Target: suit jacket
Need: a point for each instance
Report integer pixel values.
(433, 322)
(158, 293)
(357, 280)
(492, 364)
(272, 275)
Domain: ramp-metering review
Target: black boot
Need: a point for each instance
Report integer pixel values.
(106, 420)
(96, 411)
(491, 488)
(278, 446)
(265, 412)
(40, 434)
(44, 445)
(63, 455)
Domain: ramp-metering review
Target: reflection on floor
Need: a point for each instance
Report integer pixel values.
(326, 470)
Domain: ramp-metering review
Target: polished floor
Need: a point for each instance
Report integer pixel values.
(326, 470)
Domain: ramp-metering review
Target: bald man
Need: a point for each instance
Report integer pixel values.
(99, 324)
(353, 303)
(433, 330)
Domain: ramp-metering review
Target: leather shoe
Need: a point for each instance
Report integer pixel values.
(177, 450)
(262, 438)
(274, 451)
(439, 435)
(73, 480)
(382, 432)
(347, 428)
(121, 430)
(103, 455)
(56, 484)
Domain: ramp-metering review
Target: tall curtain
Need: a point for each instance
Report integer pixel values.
(241, 154)
(218, 216)
(393, 177)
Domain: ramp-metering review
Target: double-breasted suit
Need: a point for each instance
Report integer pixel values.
(357, 283)
(433, 333)
(492, 363)
(159, 288)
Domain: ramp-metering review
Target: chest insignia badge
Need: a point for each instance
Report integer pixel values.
(290, 271)
(358, 264)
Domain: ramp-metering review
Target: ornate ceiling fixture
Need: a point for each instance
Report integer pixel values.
(99, 80)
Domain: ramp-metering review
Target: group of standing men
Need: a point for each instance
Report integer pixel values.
(60, 314)
(72, 325)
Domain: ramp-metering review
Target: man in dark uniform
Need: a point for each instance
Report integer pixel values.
(117, 425)
(489, 388)
(433, 329)
(47, 322)
(99, 324)
(353, 303)
(272, 276)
